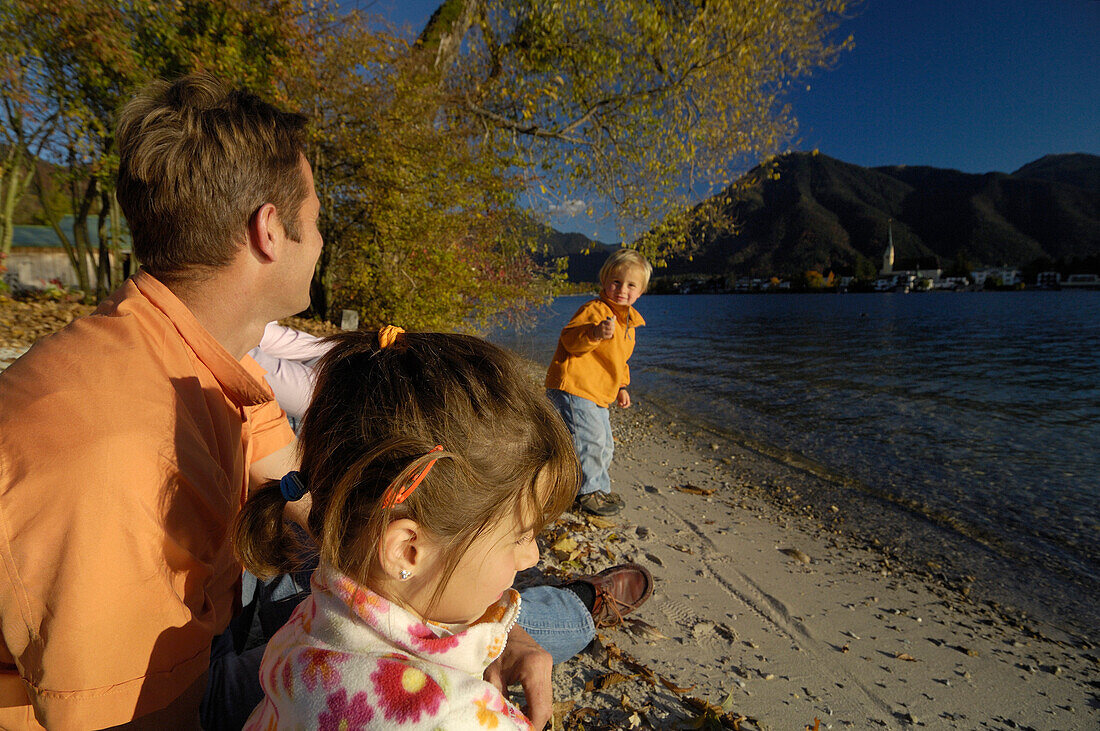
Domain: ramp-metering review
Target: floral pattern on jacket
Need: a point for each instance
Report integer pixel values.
(350, 659)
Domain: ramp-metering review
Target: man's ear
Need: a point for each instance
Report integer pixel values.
(264, 231)
(404, 547)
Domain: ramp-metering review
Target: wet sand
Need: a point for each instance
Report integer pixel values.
(782, 611)
(769, 613)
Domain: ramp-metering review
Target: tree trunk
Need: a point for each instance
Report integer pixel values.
(443, 34)
(78, 255)
(117, 274)
(103, 285)
(13, 184)
(81, 243)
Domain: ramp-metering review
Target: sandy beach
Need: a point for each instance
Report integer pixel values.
(778, 612)
(772, 614)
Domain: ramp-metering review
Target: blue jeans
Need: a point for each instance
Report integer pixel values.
(233, 680)
(556, 619)
(590, 426)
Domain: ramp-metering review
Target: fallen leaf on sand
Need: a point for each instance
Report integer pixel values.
(605, 681)
(693, 490)
(682, 549)
(565, 545)
(598, 522)
(673, 687)
(796, 554)
(712, 716)
(906, 656)
(644, 629)
(647, 675)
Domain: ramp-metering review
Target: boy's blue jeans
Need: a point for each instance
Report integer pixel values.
(590, 426)
(556, 619)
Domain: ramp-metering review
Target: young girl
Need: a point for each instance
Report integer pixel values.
(432, 462)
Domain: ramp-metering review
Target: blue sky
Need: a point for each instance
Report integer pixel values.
(974, 85)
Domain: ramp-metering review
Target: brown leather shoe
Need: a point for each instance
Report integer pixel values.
(619, 591)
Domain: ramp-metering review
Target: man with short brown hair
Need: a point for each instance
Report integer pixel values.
(128, 440)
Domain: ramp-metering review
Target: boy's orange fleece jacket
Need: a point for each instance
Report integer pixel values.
(594, 369)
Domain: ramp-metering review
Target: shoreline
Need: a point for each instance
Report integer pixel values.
(764, 601)
(931, 543)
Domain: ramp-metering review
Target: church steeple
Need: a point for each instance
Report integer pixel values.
(888, 256)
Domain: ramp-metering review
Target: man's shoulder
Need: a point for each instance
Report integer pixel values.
(90, 346)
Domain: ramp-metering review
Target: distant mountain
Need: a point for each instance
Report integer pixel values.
(586, 255)
(824, 214)
(1078, 169)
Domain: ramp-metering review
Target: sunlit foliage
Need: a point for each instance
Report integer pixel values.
(634, 103)
(427, 151)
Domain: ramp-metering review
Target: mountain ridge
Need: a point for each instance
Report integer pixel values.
(821, 213)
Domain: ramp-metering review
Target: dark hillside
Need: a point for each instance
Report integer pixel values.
(829, 215)
(1077, 169)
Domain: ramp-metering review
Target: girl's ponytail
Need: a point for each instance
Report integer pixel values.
(265, 543)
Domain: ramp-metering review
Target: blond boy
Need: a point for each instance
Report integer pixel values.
(589, 372)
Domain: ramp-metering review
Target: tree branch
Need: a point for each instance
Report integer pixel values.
(532, 130)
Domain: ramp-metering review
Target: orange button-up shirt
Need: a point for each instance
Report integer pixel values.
(125, 441)
(594, 369)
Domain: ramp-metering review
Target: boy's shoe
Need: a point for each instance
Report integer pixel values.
(599, 503)
(619, 590)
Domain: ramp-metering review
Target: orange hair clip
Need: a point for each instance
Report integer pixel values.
(398, 497)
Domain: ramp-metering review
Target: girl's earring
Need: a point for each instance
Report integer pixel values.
(405, 574)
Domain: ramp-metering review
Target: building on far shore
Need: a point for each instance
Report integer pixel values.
(38, 259)
(920, 273)
(1005, 276)
(1082, 281)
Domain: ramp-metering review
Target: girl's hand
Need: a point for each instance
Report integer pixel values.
(526, 663)
(623, 399)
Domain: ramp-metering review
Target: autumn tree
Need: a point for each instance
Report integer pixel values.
(426, 151)
(419, 213)
(637, 104)
(87, 57)
(26, 122)
(633, 104)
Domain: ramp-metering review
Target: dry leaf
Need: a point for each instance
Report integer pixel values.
(682, 549)
(673, 687)
(598, 522)
(906, 656)
(563, 706)
(693, 490)
(796, 554)
(605, 681)
(565, 545)
(644, 629)
(647, 675)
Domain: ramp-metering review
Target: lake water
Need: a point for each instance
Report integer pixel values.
(962, 428)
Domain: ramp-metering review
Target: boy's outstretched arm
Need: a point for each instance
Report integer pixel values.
(604, 330)
(591, 325)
